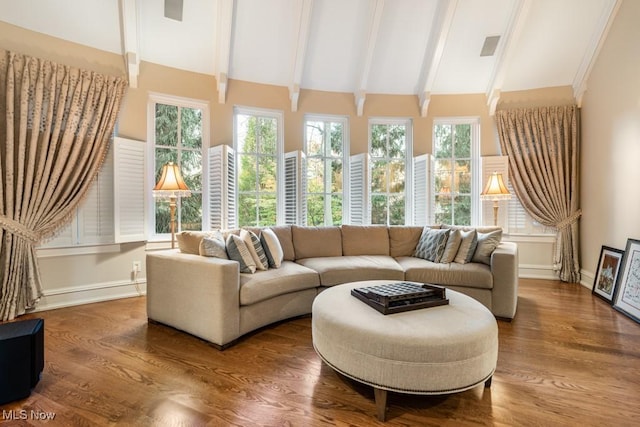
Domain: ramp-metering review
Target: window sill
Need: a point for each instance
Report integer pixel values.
(530, 238)
(159, 245)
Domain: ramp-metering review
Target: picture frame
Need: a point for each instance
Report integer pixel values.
(607, 273)
(627, 297)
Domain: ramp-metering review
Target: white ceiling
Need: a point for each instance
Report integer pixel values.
(416, 47)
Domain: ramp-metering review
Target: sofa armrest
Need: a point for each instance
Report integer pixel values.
(195, 294)
(504, 267)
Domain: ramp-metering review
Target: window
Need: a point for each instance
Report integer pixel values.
(390, 146)
(178, 135)
(93, 221)
(325, 146)
(520, 222)
(455, 192)
(258, 142)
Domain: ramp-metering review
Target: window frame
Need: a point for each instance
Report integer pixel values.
(181, 102)
(408, 164)
(476, 172)
(280, 187)
(344, 121)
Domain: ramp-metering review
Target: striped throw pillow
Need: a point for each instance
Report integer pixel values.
(237, 251)
(255, 249)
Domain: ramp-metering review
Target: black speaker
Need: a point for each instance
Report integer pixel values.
(21, 358)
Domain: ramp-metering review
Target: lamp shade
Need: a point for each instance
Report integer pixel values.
(171, 183)
(495, 188)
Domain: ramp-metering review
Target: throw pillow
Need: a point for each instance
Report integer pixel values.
(467, 246)
(272, 248)
(255, 249)
(237, 251)
(432, 244)
(214, 246)
(487, 243)
(453, 244)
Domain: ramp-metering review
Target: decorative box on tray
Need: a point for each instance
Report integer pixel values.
(402, 296)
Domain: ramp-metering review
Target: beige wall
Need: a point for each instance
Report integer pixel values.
(610, 153)
(89, 274)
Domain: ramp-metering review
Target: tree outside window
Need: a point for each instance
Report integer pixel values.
(178, 139)
(256, 140)
(452, 173)
(388, 154)
(324, 148)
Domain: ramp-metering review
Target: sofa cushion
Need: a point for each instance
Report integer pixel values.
(272, 248)
(214, 247)
(453, 244)
(487, 243)
(365, 240)
(404, 239)
(471, 275)
(343, 269)
(290, 277)
(283, 232)
(432, 244)
(238, 251)
(467, 246)
(312, 242)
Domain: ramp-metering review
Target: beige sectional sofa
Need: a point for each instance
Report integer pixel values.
(209, 298)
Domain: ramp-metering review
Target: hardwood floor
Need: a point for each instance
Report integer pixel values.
(566, 359)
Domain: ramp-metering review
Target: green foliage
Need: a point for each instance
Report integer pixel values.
(388, 158)
(257, 146)
(324, 149)
(171, 122)
(452, 174)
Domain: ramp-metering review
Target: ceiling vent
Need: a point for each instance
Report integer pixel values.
(173, 9)
(489, 46)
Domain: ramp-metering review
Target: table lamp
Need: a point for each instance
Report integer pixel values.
(171, 186)
(495, 190)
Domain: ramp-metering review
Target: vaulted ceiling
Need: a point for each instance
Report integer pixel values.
(419, 47)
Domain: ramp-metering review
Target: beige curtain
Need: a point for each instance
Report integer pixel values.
(543, 149)
(55, 126)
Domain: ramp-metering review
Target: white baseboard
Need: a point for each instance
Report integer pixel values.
(86, 294)
(586, 278)
(537, 271)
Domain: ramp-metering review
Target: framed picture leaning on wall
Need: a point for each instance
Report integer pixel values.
(608, 268)
(627, 295)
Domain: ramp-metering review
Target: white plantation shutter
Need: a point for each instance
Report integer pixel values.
(422, 189)
(222, 187)
(498, 164)
(129, 190)
(359, 189)
(95, 217)
(295, 188)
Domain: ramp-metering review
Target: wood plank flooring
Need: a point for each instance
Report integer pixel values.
(566, 359)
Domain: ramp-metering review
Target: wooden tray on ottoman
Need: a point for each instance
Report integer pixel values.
(402, 296)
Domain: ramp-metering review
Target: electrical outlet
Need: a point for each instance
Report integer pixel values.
(136, 267)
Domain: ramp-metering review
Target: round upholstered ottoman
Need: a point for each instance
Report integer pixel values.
(436, 350)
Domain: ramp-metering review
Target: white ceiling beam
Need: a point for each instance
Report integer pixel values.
(374, 28)
(506, 49)
(223, 46)
(600, 33)
(303, 12)
(440, 27)
(130, 39)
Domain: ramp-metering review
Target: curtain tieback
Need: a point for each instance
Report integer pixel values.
(568, 221)
(14, 227)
